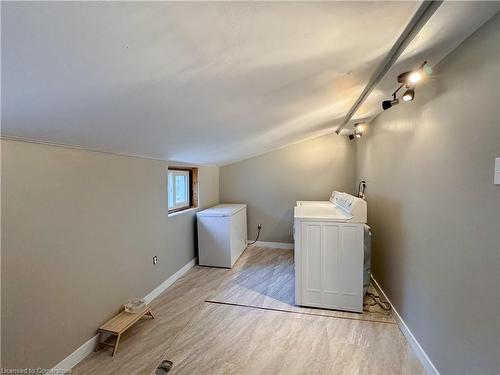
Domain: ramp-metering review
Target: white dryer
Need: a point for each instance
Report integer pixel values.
(329, 253)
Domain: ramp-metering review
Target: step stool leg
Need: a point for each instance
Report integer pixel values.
(150, 313)
(98, 344)
(116, 344)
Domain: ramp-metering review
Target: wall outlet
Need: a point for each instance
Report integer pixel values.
(155, 259)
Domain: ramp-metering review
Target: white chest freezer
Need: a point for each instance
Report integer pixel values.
(222, 234)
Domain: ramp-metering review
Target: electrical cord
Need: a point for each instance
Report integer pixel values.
(258, 234)
(377, 301)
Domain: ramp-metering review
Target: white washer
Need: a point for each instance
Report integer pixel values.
(328, 203)
(222, 234)
(329, 252)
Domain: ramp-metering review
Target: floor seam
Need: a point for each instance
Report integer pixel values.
(296, 312)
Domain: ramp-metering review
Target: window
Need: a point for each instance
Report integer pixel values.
(181, 192)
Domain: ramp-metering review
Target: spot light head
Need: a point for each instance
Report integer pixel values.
(410, 78)
(414, 76)
(386, 104)
(359, 127)
(409, 95)
(355, 136)
(357, 131)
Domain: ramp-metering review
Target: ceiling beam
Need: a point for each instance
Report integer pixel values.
(419, 19)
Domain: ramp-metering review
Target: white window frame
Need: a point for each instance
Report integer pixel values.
(183, 205)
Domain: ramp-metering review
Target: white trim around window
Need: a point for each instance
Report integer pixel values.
(178, 199)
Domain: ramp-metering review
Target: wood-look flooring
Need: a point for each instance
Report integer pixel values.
(242, 321)
(266, 279)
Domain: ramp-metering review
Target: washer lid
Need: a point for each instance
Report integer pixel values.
(222, 210)
(331, 213)
(314, 203)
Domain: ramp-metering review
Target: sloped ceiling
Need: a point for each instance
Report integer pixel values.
(452, 23)
(203, 83)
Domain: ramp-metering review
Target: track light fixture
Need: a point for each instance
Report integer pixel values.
(358, 130)
(408, 80)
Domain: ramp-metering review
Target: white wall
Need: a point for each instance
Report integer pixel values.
(271, 183)
(79, 230)
(434, 210)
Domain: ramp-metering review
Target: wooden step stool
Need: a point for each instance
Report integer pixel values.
(118, 325)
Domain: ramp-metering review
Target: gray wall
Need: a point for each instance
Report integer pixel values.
(435, 211)
(79, 230)
(271, 183)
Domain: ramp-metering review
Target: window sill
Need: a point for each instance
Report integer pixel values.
(182, 212)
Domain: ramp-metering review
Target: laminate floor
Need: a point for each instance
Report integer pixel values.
(203, 337)
(225, 339)
(142, 346)
(265, 279)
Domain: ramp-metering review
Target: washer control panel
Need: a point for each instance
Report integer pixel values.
(350, 204)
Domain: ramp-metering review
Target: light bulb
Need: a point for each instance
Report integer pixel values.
(359, 128)
(414, 77)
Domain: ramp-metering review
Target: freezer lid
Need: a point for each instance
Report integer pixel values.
(222, 210)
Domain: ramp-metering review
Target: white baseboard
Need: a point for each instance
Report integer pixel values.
(172, 279)
(414, 344)
(74, 358)
(83, 351)
(276, 245)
